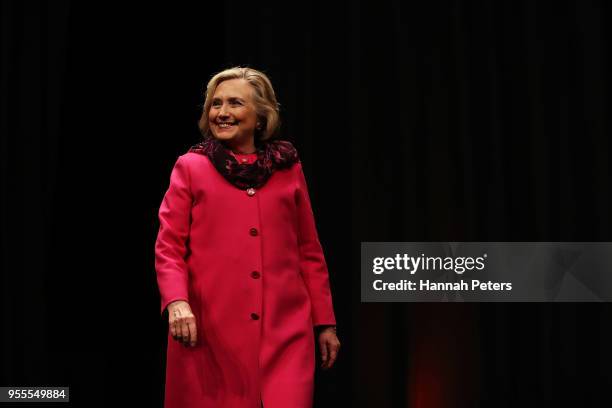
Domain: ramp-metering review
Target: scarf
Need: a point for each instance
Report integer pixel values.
(271, 156)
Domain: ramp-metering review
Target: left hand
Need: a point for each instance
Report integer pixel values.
(329, 346)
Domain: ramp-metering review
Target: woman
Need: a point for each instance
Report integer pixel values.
(239, 265)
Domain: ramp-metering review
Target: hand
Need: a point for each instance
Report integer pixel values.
(329, 346)
(182, 323)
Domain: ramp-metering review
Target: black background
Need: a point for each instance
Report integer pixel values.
(436, 121)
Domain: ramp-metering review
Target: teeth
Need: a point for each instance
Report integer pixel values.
(225, 125)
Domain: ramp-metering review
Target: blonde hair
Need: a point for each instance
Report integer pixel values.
(264, 99)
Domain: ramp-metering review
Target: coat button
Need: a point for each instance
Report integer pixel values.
(253, 231)
(254, 316)
(251, 192)
(255, 275)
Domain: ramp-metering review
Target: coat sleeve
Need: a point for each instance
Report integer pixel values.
(312, 261)
(170, 246)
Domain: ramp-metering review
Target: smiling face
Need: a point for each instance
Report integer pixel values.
(232, 116)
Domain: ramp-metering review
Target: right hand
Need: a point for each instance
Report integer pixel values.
(182, 323)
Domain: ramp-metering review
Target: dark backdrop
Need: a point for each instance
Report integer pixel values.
(450, 120)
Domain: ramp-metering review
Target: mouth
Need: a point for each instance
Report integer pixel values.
(225, 125)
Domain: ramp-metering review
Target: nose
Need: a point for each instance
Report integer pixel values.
(223, 111)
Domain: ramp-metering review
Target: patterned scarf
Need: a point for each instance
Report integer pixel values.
(271, 156)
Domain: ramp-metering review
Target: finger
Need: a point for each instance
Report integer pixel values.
(185, 331)
(178, 317)
(175, 333)
(185, 339)
(172, 328)
(329, 357)
(187, 320)
(332, 358)
(193, 333)
(324, 353)
(175, 324)
(330, 363)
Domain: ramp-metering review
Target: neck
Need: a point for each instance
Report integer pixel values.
(244, 151)
(245, 147)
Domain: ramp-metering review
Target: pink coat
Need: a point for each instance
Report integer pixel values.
(253, 271)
